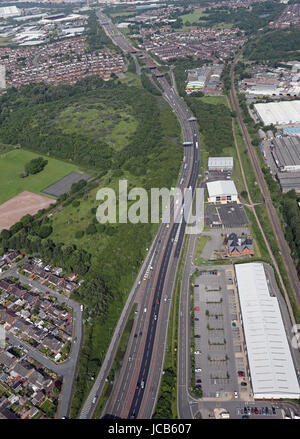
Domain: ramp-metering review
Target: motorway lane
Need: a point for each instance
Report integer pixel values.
(149, 350)
(183, 115)
(89, 406)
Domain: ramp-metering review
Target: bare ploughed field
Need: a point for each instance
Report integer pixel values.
(26, 202)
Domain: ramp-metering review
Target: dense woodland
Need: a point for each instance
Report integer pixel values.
(274, 46)
(28, 116)
(215, 125)
(249, 20)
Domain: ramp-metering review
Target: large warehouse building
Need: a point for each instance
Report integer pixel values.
(9, 11)
(286, 153)
(279, 113)
(272, 370)
(220, 163)
(222, 191)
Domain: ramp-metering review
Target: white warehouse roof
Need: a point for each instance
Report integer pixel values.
(271, 366)
(221, 188)
(279, 113)
(9, 11)
(220, 162)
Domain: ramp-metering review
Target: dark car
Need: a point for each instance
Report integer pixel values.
(197, 336)
(245, 417)
(273, 411)
(199, 381)
(243, 384)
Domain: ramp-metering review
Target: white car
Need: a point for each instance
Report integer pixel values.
(236, 394)
(145, 309)
(197, 352)
(198, 369)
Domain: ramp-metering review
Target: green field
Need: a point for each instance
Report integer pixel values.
(12, 165)
(194, 17)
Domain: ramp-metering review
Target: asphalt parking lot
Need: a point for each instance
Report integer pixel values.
(214, 349)
(228, 215)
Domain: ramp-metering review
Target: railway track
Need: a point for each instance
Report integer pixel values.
(273, 216)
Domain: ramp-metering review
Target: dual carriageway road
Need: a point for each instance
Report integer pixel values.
(137, 383)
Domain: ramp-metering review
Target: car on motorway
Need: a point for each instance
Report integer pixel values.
(155, 316)
(158, 301)
(142, 384)
(145, 309)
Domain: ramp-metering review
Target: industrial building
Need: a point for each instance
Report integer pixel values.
(286, 153)
(279, 113)
(220, 164)
(9, 11)
(222, 192)
(289, 181)
(271, 367)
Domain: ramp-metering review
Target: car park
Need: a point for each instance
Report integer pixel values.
(198, 369)
(236, 394)
(243, 383)
(241, 373)
(197, 352)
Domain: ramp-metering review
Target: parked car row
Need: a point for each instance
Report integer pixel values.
(256, 411)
